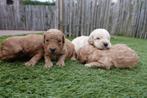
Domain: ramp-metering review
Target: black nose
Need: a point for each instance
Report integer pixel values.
(105, 44)
(52, 50)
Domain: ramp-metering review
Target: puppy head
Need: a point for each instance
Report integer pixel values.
(54, 41)
(100, 38)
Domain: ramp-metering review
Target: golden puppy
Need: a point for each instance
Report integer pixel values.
(19, 46)
(120, 56)
(56, 47)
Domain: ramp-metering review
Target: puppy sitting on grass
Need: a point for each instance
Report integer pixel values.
(56, 47)
(119, 56)
(19, 46)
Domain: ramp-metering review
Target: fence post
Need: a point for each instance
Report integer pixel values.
(61, 15)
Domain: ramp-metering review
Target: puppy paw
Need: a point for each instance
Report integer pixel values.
(107, 67)
(73, 58)
(60, 63)
(92, 65)
(29, 64)
(48, 65)
(88, 65)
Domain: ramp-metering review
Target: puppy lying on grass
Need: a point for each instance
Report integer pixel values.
(19, 46)
(99, 38)
(120, 56)
(56, 47)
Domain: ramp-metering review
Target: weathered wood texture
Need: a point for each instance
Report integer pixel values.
(78, 17)
(26, 17)
(125, 17)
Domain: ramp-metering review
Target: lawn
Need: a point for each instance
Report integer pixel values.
(74, 80)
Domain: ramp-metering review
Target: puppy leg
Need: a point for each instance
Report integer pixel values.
(48, 63)
(61, 60)
(74, 56)
(92, 64)
(96, 64)
(34, 59)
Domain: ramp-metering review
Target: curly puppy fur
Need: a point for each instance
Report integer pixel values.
(56, 47)
(99, 38)
(120, 56)
(19, 46)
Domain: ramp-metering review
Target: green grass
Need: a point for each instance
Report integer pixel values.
(74, 80)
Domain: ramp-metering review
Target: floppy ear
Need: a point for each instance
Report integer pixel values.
(90, 40)
(63, 39)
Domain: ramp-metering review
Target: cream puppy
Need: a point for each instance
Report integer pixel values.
(99, 38)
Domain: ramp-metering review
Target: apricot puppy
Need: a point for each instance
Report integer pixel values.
(18, 46)
(56, 47)
(120, 56)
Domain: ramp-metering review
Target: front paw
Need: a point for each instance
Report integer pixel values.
(73, 59)
(88, 65)
(48, 65)
(29, 64)
(60, 63)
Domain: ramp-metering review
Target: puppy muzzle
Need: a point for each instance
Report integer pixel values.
(52, 50)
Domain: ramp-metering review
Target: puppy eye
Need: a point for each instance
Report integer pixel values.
(98, 38)
(47, 40)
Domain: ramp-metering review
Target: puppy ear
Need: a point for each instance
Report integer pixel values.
(63, 39)
(90, 40)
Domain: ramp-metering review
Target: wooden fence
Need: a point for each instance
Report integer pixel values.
(80, 17)
(27, 17)
(124, 17)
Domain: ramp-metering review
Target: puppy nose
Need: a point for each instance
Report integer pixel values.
(105, 44)
(52, 50)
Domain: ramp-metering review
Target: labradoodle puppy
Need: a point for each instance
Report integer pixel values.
(99, 38)
(120, 56)
(18, 46)
(56, 47)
